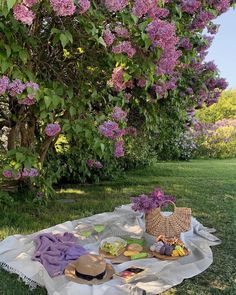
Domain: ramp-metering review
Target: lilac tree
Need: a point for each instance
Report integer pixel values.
(92, 69)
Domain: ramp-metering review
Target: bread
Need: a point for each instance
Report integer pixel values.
(135, 247)
(130, 253)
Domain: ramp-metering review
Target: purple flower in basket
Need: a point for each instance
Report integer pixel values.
(145, 203)
(141, 203)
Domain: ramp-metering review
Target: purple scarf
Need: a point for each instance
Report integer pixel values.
(56, 251)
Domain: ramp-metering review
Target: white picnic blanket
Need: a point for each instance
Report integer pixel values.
(16, 252)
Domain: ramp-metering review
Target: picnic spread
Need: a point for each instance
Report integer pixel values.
(111, 253)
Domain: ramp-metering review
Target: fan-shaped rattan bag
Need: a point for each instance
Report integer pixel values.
(169, 226)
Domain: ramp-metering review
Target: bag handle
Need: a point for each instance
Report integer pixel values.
(164, 202)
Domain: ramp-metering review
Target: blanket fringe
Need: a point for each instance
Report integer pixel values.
(32, 284)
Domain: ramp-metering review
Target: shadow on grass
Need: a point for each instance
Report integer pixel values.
(208, 187)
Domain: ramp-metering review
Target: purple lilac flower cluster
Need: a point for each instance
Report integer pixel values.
(220, 6)
(145, 203)
(32, 172)
(118, 114)
(190, 6)
(94, 164)
(210, 66)
(119, 149)
(168, 61)
(141, 82)
(28, 100)
(201, 20)
(117, 79)
(204, 46)
(161, 88)
(63, 7)
(157, 12)
(29, 3)
(128, 97)
(23, 13)
(211, 91)
(121, 32)
(131, 131)
(17, 87)
(52, 129)
(84, 5)
(115, 5)
(109, 129)
(4, 82)
(185, 44)
(108, 37)
(124, 47)
(149, 7)
(162, 34)
(111, 132)
(141, 7)
(212, 28)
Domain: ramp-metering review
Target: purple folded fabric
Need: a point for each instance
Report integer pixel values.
(56, 251)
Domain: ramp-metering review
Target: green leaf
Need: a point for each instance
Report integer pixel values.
(99, 228)
(86, 234)
(94, 30)
(56, 100)
(43, 115)
(8, 50)
(77, 128)
(101, 41)
(64, 40)
(20, 157)
(47, 101)
(70, 93)
(23, 56)
(10, 4)
(102, 145)
(69, 36)
(4, 66)
(135, 18)
(126, 77)
(55, 31)
(73, 111)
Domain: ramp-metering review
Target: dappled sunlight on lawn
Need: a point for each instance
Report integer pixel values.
(211, 199)
(71, 191)
(216, 284)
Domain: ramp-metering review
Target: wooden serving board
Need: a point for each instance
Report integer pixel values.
(109, 256)
(165, 257)
(121, 258)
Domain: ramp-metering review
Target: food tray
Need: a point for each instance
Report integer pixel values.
(165, 257)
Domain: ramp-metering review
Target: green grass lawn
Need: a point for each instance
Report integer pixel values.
(207, 186)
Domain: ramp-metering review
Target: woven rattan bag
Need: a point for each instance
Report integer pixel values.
(169, 226)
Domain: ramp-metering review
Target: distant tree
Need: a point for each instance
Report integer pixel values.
(224, 109)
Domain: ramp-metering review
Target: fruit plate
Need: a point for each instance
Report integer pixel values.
(121, 258)
(165, 257)
(109, 256)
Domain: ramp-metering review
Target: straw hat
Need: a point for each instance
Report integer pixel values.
(89, 269)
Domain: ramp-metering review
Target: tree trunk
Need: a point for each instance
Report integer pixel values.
(44, 148)
(27, 131)
(11, 142)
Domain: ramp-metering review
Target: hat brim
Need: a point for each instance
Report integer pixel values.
(70, 275)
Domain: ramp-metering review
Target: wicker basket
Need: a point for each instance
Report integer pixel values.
(169, 226)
